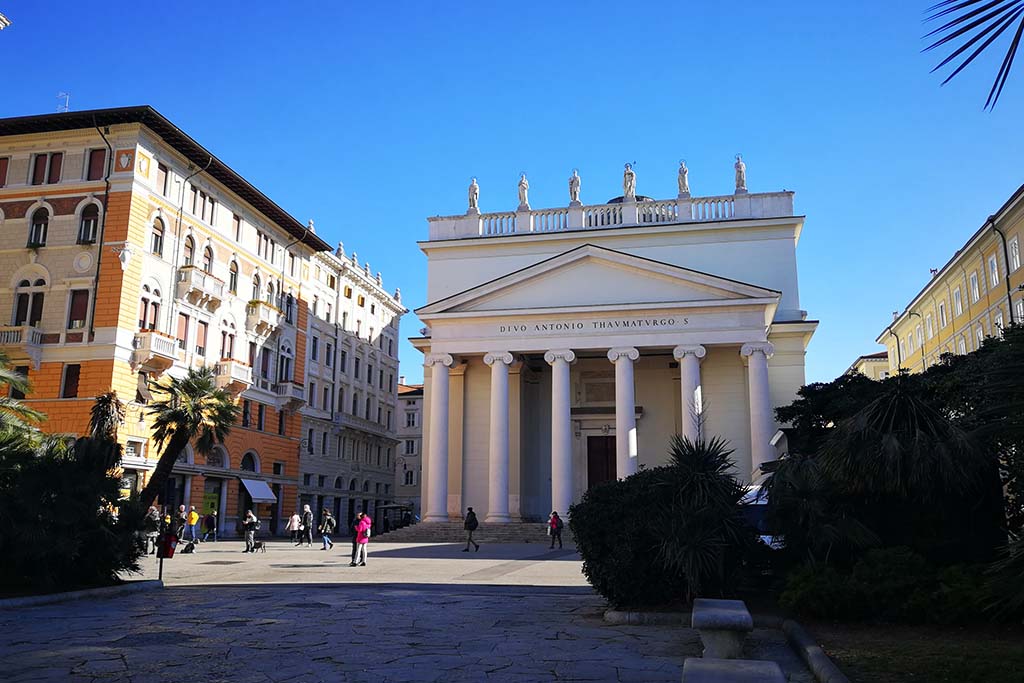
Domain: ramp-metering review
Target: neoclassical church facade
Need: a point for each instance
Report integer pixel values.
(564, 347)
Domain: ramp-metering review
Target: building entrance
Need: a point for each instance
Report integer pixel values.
(600, 460)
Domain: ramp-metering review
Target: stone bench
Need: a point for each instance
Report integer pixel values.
(703, 670)
(723, 626)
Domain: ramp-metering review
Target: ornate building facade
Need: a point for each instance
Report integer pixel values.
(133, 252)
(565, 346)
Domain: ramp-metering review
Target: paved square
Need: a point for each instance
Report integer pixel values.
(415, 613)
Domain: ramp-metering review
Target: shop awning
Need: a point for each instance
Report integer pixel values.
(259, 491)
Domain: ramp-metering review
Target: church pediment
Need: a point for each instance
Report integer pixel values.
(591, 276)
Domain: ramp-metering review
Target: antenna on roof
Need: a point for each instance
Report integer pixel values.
(64, 106)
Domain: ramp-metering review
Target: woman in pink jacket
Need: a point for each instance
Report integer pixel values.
(362, 540)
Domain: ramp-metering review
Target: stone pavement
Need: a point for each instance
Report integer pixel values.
(364, 625)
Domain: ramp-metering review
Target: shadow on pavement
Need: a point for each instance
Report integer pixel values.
(294, 591)
(493, 551)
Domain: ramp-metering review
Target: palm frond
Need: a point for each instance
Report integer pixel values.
(971, 22)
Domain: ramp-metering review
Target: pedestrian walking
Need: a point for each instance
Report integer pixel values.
(362, 540)
(470, 526)
(306, 527)
(555, 529)
(193, 524)
(180, 523)
(250, 524)
(354, 528)
(327, 528)
(152, 527)
(294, 526)
(210, 526)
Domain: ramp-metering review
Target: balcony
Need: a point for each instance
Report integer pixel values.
(290, 395)
(349, 421)
(22, 343)
(262, 318)
(233, 375)
(154, 352)
(200, 288)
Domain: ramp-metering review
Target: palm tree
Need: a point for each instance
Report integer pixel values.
(106, 415)
(193, 410)
(977, 23)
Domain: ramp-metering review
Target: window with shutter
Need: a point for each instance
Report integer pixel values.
(39, 169)
(182, 330)
(4, 163)
(90, 222)
(161, 179)
(71, 373)
(36, 313)
(97, 157)
(201, 330)
(79, 309)
(56, 162)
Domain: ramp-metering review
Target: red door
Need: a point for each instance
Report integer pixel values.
(600, 460)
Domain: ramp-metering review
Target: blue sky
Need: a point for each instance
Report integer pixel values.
(369, 117)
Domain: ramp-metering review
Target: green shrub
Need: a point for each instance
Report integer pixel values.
(667, 533)
(57, 531)
(888, 577)
(822, 591)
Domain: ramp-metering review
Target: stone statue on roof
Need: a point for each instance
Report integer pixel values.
(524, 189)
(629, 183)
(574, 187)
(474, 196)
(741, 175)
(684, 179)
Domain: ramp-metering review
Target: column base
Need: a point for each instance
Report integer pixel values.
(498, 519)
(434, 518)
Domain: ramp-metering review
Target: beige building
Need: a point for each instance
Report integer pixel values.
(978, 291)
(409, 470)
(565, 346)
(873, 366)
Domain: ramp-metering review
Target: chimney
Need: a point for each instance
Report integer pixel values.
(401, 379)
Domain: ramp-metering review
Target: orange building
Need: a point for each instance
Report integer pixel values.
(129, 252)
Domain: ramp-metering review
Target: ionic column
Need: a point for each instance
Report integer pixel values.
(561, 430)
(437, 471)
(762, 426)
(689, 382)
(497, 490)
(625, 410)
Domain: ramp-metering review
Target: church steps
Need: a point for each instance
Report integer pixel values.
(453, 532)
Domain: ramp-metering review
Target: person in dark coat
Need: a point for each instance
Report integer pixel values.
(555, 529)
(307, 527)
(470, 526)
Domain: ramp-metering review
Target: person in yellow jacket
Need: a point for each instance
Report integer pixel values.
(193, 524)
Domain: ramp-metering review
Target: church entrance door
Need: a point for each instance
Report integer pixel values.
(600, 460)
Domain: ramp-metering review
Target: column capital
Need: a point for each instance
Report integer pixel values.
(619, 352)
(495, 356)
(559, 354)
(682, 350)
(432, 359)
(750, 348)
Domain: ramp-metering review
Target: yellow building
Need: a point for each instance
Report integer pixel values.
(130, 251)
(873, 366)
(973, 296)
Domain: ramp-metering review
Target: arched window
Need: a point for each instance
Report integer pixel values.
(248, 463)
(337, 483)
(270, 293)
(409, 478)
(366, 487)
(89, 225)
(352, 485)
(149, 308)
(37, 229)
(255, 287)
(157, 243)
(284, 363)
(207, 260)
(233, 278)
(190, 249)
(28, 302)
(227, 339)
(216, 457)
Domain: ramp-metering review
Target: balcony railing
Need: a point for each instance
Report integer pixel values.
(261, 317)
(291, 395)
(234, 375)
(154, 351)
(620, 214)
(22, 343)
(200, 287)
